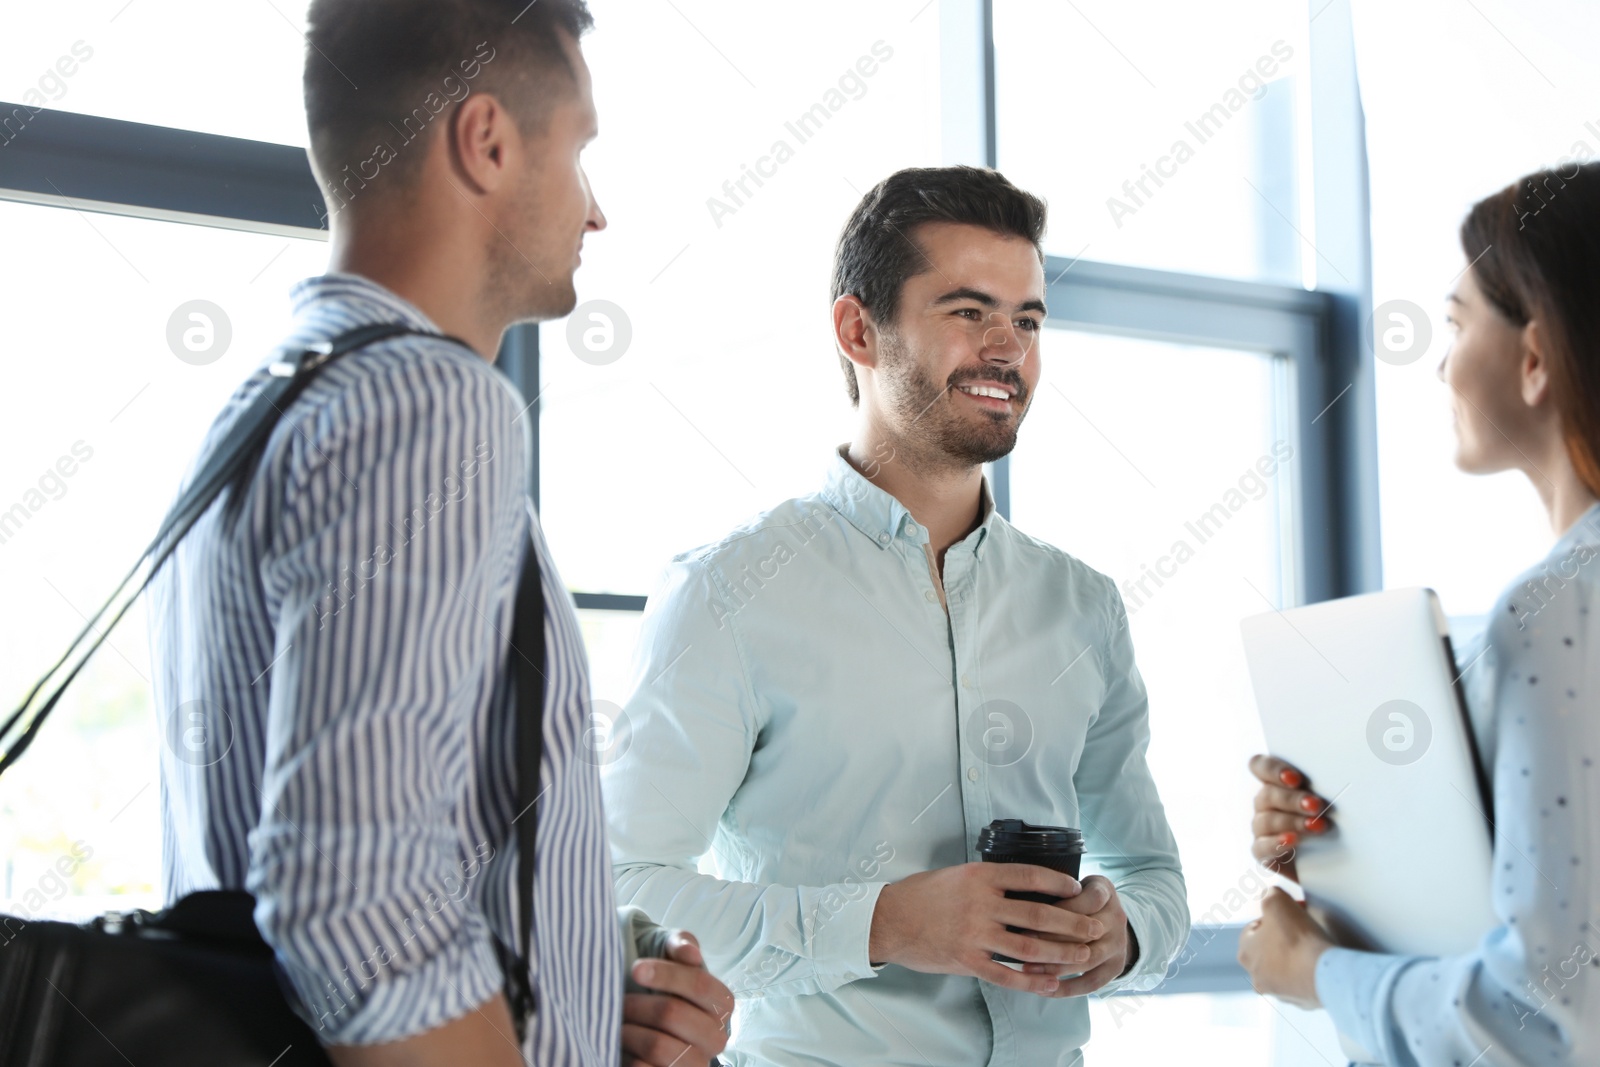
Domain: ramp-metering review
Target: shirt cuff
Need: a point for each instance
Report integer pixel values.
(823, 945)
(844, 937)
(1139, 976)
(355, 1009)
(1355, 988)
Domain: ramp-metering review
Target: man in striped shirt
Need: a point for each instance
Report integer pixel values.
(337, 645)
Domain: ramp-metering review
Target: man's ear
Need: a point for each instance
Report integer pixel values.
(480, 141)
(1535, 366)
(854, 331)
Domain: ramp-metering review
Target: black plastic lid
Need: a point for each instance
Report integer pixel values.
(1015, 836)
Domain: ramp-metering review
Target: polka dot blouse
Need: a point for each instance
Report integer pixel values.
(1530, 993)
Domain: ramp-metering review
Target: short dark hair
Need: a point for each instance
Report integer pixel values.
(877, 250)
(1534, 250)
(377, 73)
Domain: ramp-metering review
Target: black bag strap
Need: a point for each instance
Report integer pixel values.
(527, 656)
(245, 438)
(231, 463)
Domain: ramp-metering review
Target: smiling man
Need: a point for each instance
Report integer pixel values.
(836, 698)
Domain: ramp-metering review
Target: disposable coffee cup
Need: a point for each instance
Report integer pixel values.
(1059, 848)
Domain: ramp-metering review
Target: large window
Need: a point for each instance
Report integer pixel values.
(1529, 105)
(126, 336)
(1179, 149)
(228, 68)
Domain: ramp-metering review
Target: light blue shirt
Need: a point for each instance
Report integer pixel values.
(806, 710)
(1530, 993)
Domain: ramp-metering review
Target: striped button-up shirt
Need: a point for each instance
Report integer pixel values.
(333, 689)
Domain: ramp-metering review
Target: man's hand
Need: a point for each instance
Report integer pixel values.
(683, 1023)
(951, 920)
(1281, 950)
(1108, 954)
(1286, 809)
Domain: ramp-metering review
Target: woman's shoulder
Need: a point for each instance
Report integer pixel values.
(1557, 592)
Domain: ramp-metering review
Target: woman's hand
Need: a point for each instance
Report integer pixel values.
(1286, 809)
(1281, 950)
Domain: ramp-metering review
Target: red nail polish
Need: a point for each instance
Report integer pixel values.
(1291, 779)
(1285, 840)
(1317, 825)
(1310, 804)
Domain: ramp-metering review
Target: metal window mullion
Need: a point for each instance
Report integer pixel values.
(63, 159)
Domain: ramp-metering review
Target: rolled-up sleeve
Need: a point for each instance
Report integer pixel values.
(695, 717)
(401, 533)
(1126, 835)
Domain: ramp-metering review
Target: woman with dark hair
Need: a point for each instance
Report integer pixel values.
(1524, 380)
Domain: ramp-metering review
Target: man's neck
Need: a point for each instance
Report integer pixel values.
(947, 499)
(443, 284)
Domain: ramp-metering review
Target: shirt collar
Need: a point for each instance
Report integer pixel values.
(360, 299)
(880, 515)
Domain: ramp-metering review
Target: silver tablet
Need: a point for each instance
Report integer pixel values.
(1363, 694)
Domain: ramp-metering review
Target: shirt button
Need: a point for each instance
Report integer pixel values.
(966, 680)
(930, 596)
(883, 539)
(972, 774)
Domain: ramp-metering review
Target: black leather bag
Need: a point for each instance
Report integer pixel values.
(196, 984)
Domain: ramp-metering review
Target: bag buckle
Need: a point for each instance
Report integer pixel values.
(314, 355)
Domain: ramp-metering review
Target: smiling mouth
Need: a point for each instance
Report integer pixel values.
(987, 389)
(989, 396)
